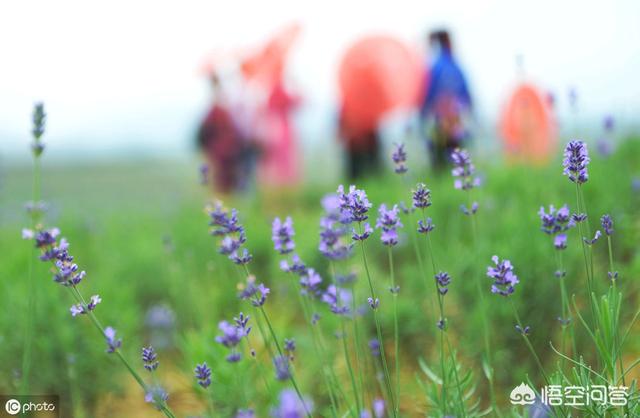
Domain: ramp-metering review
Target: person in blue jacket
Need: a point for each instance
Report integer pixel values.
(446, 102)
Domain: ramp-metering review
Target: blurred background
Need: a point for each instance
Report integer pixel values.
(129, 79)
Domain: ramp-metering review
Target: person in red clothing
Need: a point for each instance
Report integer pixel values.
(362, 145)
(222, 144)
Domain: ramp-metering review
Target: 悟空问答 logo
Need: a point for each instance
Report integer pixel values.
(522, 395)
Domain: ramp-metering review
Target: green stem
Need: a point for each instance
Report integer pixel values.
(347, 359)
(32, 289)
(79, 298)
(280, 352)
(378, 328)
(483, 316)
(319, 351)
(528, 343)
(395, 328)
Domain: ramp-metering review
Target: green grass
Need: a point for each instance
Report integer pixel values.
(119, 219)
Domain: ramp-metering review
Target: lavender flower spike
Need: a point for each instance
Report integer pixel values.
(576, 159)
(421, 196)
(156, 396)
(113, 343)
(389, 222)
(504, 280)
(607, 224)
(149, 358)
(291, 406)
(281, 364)
(463, 170)
(203, 374)
(354, 204)
(282, 235)
(399, 157)
(443, 280)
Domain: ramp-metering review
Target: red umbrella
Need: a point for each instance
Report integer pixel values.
(527, 125)
(267, 63)
(378, 74)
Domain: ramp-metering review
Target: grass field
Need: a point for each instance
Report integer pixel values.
(140, 232)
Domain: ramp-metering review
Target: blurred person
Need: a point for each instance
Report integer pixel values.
(446, 103)
(378, 76)
(279, 163)
(221, 142)
(362, 146)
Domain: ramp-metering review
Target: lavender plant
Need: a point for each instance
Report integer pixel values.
(66, 272)
(465, 179)
(35, 210)
(355, 206)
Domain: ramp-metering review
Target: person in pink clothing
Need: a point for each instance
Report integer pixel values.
(279, 165)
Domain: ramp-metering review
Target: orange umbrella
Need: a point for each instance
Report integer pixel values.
(378, 74)
(267, 63)
(527, 125)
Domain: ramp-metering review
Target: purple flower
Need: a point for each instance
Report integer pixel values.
(366, 233)
(607, 224)
(294, 265)
(374, 346)
(595, 238)
(310, 282)
(281, 363)
(338, 299)
(112, 343)
(222, 222)
(256, 294)
(576, 159)
(282, 235)
(560, 241)
(226, 225)
(523, 331)
(389, 221)
(203, 374)
(373, 303)
(470, 211)
(555, 221)
(81, 309)
(378, 408)
(290, 406)
(157, 396)
(231, 244)
(399, 157)
(241, 322)
(504, 280)
(421, 196)
(463, 170)
(442, 281)
(245, 413)
(425, 227)
(608, 123)
(46, 237)
(39, 118)
(289, 344)
(354, 204)
(241, 259)
(333, 242)
(231, 337)
(579, 217)
(149, 358)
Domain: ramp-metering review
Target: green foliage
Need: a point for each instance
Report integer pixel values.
(139, 232)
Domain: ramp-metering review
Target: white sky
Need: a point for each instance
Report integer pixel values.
(123, 75)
